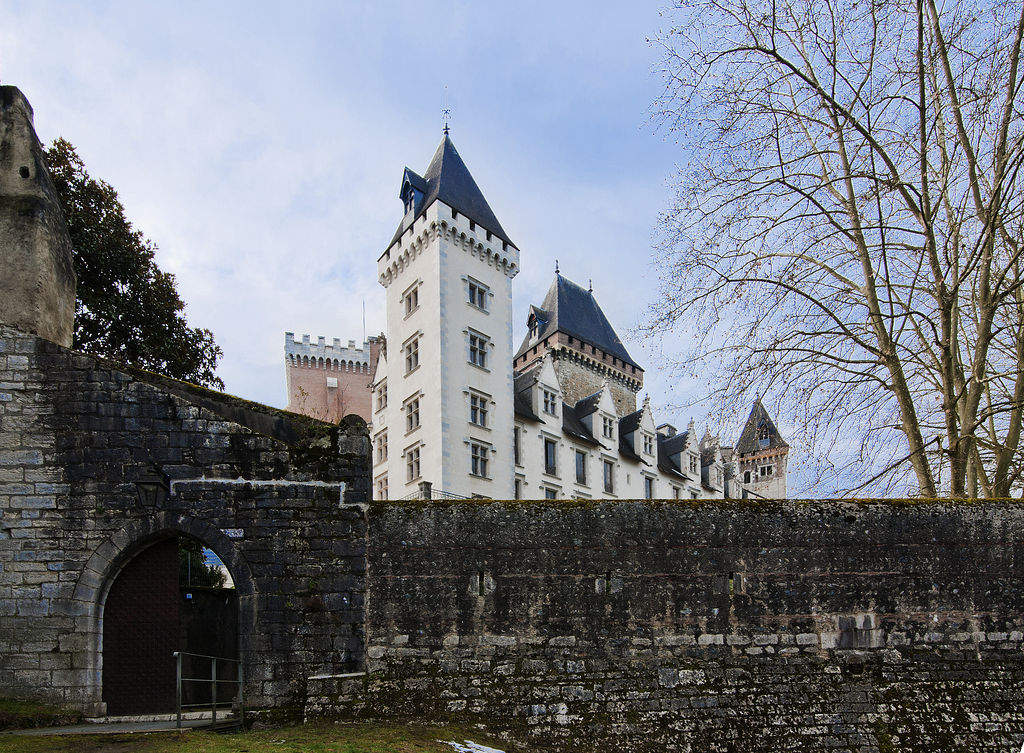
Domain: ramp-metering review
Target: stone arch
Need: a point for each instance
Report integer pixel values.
(111, 556)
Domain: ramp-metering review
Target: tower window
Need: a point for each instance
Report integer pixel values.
(478, 454)
(412, 414)
(478, 294)
(478, 349)
(478, 410)
(763, 435)
(411, 299)
(412, 354)
(765, 471)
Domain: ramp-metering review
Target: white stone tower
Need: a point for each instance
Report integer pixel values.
(443, 403)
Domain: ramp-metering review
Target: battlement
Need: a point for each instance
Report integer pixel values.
(321, 355)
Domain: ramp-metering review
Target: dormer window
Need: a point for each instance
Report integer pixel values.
(763, 436)
(607, 427)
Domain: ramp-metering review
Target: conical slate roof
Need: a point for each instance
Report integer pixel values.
(447, 178)
(749, 440)
(570, 309)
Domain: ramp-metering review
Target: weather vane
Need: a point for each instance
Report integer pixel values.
(446, 112)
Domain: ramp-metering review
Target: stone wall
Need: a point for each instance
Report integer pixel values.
(279, 497)
(709, 626)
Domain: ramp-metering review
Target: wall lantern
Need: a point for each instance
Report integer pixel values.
(153, 487)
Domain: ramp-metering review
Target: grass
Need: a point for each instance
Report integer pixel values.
(312, 738)
(18, 714)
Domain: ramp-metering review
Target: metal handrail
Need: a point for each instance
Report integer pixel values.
(213, 679)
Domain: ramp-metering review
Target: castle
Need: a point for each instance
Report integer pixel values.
(455, 411)
(633, 626)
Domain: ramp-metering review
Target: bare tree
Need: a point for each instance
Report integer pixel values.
(847, 232)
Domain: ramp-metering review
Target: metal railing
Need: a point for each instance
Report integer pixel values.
(212, 680)
(426, 490)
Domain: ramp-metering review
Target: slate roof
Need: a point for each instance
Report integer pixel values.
(521, 387)
(575, 428)
(570, 309)
(748, 441)
(587, 405)
(631, 422)
(668, 447)
(447, 178)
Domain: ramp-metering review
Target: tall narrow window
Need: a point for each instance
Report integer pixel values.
(411, 299)
(412, 354)
(516, 439)
(381, 395)
(609, 476)
(608, 427)
(648, 487)
(382, 446)
(382, 487)
(581, 467)
(550, 457)
(412, 464)
(412, 414)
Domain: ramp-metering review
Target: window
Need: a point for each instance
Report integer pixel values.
(381, 485)
(581, 467)
(693, 464)
(550, 457)
(648, 444)
(412, 354)
(648, 487)
(609, 476)
(411, 299)
(608, 427)
(518, 489)
(766, 470)
(478, 349)
(381, 395)
(675, 492)
(412, 464)
(412, 414)
(550, 494)
(478, 459)
(550, 402)
(516, 437)
(746, 477)
(478, 294)
(381, 442)
(763, 436)
(478, 410)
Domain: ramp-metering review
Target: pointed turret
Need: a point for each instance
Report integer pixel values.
(447, 179)
(763, 456)
(571, 325)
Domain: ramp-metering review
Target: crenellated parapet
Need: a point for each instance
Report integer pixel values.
(475, 240)
(333, 357)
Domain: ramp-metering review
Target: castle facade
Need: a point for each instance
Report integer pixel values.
(455, 409)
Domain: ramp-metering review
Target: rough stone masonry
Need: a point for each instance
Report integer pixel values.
(279, 497)
(715, 626)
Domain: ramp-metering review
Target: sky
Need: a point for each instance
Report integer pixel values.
(261, 147)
